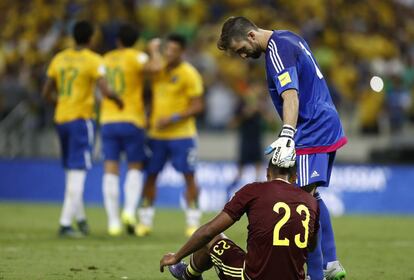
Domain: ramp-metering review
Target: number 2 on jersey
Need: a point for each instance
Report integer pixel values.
(276, 231)
(224, 246)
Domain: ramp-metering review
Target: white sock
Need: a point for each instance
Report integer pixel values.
(80, 212)
(193, 217)
(132, 190)
(78, 177)
(73, 201)
(111, 198)
(146, 216)
(67, 209)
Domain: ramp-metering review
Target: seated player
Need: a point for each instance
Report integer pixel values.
(311, 125)
(283, 225)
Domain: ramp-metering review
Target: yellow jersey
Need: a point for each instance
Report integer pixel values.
(124, 72)
(172, 91)
(75, 73)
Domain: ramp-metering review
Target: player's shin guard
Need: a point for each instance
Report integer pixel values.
(73, 200)
(314, 262)
(111, 199)
(192, 272)
(133, 189)
(328, 240)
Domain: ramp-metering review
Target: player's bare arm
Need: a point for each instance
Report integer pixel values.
(290, 107)
(155, 63)
(199, 239)
(48, 91)
(284, 147)
(108, 93)
(195, 107)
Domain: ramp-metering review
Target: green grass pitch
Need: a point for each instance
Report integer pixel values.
(370, 247)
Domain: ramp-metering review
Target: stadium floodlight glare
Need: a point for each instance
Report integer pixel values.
(376, 83)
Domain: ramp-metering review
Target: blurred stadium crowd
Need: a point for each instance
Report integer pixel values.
(352, 41)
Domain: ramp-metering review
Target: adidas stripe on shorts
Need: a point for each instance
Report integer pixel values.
(314, 169)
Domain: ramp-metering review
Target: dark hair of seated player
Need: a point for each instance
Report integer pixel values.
(274, 171)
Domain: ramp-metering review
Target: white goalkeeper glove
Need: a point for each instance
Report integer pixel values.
(284, 148)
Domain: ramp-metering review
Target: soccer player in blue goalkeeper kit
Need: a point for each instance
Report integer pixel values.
(311, 125)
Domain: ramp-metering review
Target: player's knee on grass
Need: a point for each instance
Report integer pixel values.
(215, 239)
(225, 255)
(200, 260)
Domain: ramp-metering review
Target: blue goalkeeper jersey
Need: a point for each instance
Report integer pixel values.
(291, 65)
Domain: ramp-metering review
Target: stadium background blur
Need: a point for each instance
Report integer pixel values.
(351, 40)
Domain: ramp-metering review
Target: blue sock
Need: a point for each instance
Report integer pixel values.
(328, 240)
(314, 262)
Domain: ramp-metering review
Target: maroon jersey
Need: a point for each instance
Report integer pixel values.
(282, 219)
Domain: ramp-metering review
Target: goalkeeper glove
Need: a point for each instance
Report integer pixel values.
(284, 148)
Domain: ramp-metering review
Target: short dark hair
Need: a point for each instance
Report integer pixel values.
(282, 171)
(234, 28)
(128, 35)
(82, 32)
(179, 39)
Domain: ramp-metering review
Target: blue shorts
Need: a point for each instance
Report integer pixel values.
(182, 153)
(76, 142)
(123, 137)
(314, 169)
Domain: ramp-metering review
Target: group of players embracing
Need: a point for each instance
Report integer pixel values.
(127, 125)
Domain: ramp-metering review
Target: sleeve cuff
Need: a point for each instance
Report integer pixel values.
(232, 215)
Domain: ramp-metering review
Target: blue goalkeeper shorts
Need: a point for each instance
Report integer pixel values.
(181, 152)
(76, 141)
(314, 169)
(123, 137)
